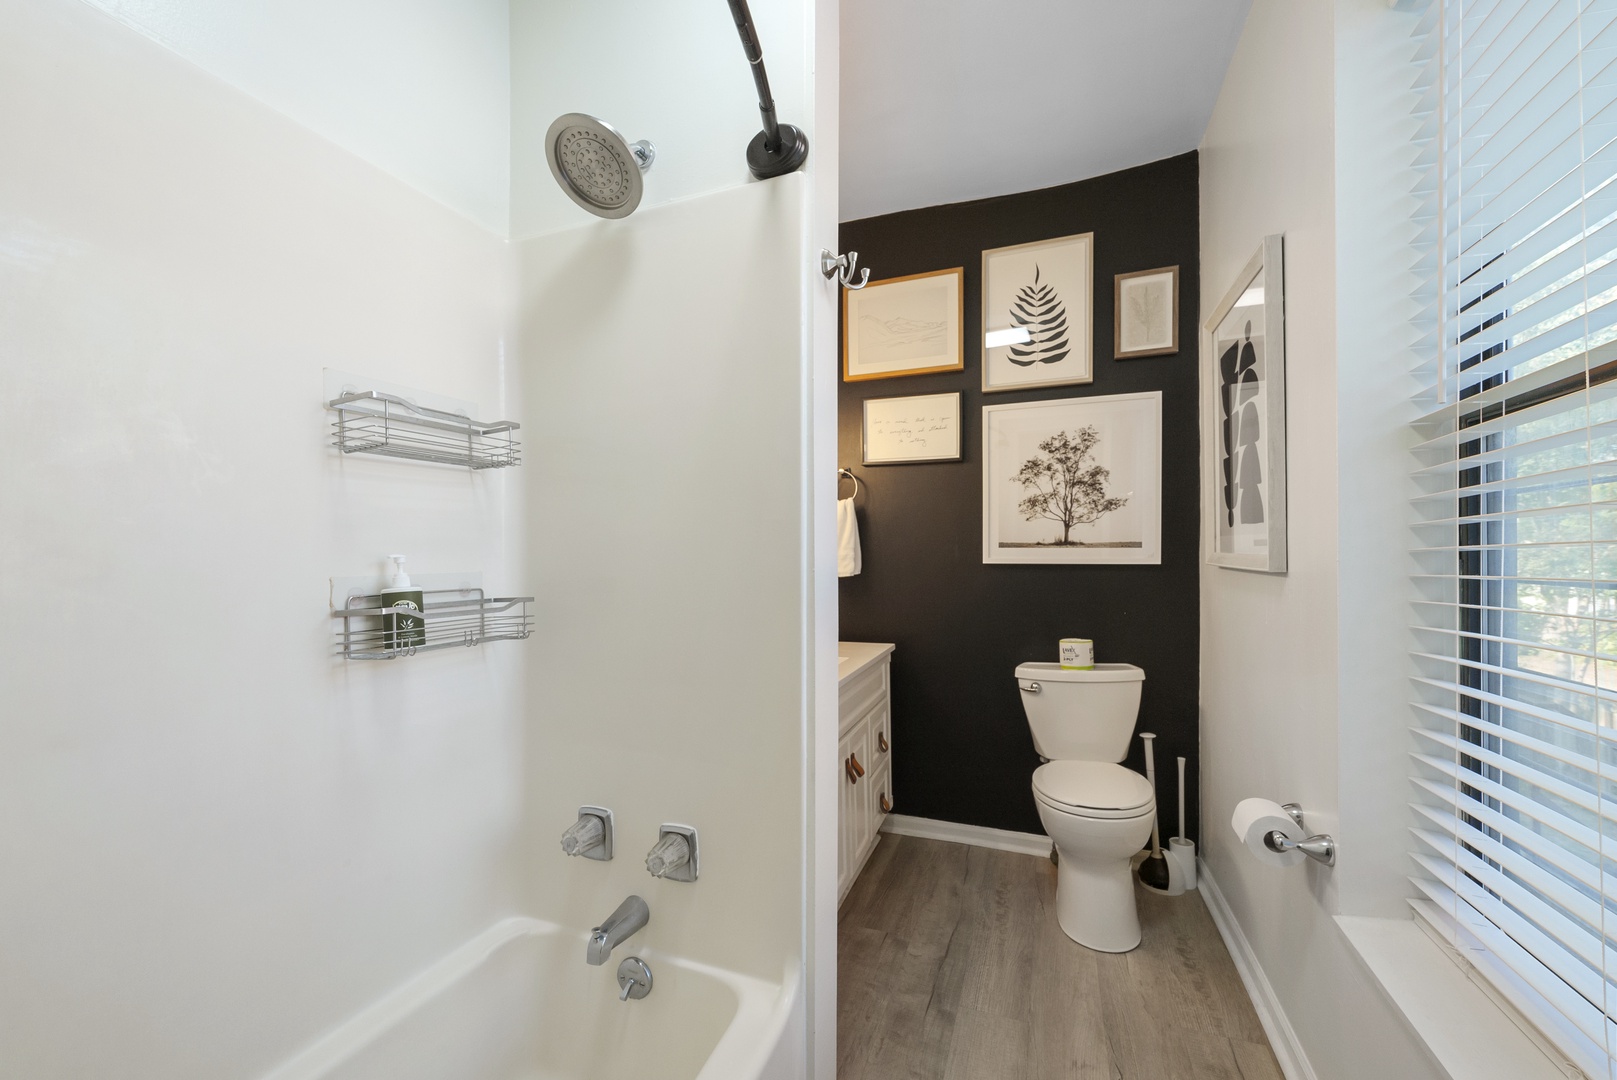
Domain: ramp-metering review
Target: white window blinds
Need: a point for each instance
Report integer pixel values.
(1515, 640)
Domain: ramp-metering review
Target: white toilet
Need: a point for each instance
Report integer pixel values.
(1098, 813)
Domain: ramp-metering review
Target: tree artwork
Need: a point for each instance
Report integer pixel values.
(1039, 308)
(1243, 471)
(1064, 484)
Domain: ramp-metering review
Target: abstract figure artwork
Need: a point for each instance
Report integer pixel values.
(1238, 381)
(1073, 480)
(1037, 313)
(1246, 417)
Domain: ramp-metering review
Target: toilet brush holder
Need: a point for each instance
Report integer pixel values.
(1181, 864)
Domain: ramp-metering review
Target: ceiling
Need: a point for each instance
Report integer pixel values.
(948, 100)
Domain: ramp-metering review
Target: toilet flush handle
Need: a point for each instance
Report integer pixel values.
(1031, 688)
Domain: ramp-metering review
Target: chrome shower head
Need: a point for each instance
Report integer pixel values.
(598, 168)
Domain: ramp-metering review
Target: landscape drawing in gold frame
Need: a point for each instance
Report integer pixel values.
(910, 325)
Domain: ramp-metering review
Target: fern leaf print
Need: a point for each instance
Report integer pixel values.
(1039, 308)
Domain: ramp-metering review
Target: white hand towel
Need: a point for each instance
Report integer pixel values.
(849, 559)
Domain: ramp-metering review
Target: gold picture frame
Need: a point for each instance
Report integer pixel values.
(909, 325)
(1145, 313)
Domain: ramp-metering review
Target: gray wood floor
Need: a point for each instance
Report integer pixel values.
(951, 966)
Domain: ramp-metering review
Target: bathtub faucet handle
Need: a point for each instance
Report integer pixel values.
(675, 858)
(591, 835)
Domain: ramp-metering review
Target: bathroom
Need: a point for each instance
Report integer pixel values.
(470, 676)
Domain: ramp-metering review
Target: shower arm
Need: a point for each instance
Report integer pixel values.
(779, 148)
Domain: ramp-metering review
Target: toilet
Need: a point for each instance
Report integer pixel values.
(1098, 813)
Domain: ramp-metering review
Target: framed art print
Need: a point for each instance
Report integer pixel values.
(1244, 418)
(1037, 313)
(1145, 313)
(909, 430)
(903, 326)
(1073, 480)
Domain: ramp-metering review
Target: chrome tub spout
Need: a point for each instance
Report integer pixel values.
(632, 915)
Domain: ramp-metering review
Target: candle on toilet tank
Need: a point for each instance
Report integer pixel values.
(1077, 654)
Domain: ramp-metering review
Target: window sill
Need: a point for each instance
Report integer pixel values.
(1471, 1036)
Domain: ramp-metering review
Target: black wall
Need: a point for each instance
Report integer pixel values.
(961, 747)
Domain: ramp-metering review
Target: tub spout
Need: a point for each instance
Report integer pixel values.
(632, 915)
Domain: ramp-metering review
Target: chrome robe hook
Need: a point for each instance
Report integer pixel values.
(842, 267)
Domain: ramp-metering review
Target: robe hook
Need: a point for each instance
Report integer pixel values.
(842, 268)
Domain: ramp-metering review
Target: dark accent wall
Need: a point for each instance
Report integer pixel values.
(961, 747)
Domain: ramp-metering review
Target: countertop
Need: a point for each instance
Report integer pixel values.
(854, 657)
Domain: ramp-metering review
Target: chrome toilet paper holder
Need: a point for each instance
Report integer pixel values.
(1320, 847)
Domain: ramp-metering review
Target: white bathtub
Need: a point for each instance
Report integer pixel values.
(518, 1002)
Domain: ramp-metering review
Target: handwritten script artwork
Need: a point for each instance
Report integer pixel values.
(1038, 310)
(912, 429)
(902, 326)
(1240, 380)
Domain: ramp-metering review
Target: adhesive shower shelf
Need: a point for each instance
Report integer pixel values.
(453, 618)
(370, 422)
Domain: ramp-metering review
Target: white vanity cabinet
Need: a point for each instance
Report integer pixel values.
(865, 749)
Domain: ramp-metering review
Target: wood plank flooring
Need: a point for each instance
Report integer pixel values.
(951, 966)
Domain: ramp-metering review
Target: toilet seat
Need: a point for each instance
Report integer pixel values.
(1093, 789)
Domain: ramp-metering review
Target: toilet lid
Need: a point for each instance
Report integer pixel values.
(1091, 785)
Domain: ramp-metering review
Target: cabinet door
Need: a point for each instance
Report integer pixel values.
(848, 800)
(881, 752)
(881, 794)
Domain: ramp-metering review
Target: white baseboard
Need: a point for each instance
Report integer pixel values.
(1288, 1051)
(975, 835)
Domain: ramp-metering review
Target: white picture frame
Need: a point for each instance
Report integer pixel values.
(1244, 418)
(1043, 291)
(912, 430)
(1044, 452)
(910, 325)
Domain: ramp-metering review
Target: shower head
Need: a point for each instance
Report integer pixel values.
(598, 168)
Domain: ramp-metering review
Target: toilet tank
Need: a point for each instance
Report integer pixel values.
(1081, 715)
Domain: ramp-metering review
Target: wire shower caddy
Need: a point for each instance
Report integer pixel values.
(371, 422)
(451, 618)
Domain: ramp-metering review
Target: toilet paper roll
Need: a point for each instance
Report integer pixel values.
(1256, 818)
(1182, 856)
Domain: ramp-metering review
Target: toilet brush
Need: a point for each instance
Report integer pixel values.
(1154, 869)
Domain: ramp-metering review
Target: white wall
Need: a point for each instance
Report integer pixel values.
(1302, 672)
(216, 839)
(672, 72)
(420, 88)
(1378, 275)
(820, 765)
(665, 523)
(679, 372)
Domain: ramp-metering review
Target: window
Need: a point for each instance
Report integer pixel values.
(1515, 636)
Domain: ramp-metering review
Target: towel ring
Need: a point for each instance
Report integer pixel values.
(849, 474)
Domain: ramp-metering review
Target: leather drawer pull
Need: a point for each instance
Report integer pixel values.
(858, 769)
(881, 741)
(886, 804)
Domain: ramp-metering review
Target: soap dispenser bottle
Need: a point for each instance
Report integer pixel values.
(400, 631)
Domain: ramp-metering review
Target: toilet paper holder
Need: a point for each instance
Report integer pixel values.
(1319, 847)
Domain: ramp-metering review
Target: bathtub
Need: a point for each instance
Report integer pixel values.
(518, 1002)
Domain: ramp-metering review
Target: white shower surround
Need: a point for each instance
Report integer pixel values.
(187, 247)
